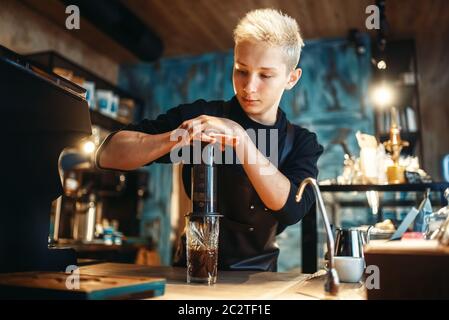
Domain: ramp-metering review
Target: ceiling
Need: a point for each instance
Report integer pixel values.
(190, 27)
(199, 26)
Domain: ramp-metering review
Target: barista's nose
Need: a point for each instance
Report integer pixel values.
(251, 84)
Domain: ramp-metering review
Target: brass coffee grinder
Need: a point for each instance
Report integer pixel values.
(395, 172)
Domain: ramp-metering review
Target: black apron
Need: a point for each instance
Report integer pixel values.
(247, 238)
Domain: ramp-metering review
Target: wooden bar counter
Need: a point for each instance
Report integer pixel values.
(232, 285)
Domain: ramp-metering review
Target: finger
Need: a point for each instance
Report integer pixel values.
(192, 124)
(211, 132)
(203, 137)
(207, 138)
(186, 125)
(226, 139)
(197, 127)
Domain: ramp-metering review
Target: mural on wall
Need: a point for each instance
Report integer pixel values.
(329, 100)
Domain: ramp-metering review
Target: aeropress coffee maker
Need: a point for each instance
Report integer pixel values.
(203, 221)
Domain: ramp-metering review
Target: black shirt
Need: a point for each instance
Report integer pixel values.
(300, 163)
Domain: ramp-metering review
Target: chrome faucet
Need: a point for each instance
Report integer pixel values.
(332, 281)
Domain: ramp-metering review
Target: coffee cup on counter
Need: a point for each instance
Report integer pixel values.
(349, 269)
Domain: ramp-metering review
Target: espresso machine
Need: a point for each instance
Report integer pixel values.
(42, 114)
(93, 196)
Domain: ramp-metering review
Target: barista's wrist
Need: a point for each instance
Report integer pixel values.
(245, 149)
(241, 135)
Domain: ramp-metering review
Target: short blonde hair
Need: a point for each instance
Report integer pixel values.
(273, 27)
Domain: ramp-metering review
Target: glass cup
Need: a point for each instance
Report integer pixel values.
(202, 249)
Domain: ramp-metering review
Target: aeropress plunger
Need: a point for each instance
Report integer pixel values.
(203, 221)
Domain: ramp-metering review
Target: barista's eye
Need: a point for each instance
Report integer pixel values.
(242, 72)
(266, 76)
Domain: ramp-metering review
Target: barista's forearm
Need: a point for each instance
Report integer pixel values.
(129, 150)
(270, 184)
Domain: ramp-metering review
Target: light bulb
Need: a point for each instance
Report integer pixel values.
(88, 147)
(382, 95)
(382, 65)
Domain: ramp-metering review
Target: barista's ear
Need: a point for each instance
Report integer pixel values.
(293, 78)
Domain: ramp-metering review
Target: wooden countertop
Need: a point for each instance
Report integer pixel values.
(233, 285)
(408, 246)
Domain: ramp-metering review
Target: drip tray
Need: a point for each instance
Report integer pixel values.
(60, 285)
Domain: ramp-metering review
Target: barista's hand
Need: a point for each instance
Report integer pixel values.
(188, 131)
(214, 130)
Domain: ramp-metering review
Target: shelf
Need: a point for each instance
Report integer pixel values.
(98, 246)
(94, 38)
(402, 77)
(385, 203)
(48, 60)
(435, 186)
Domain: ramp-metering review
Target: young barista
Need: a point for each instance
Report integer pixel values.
(256, 206)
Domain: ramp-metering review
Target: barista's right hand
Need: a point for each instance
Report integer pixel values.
(191, 130)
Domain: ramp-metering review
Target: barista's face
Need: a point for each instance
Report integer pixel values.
(260, 77)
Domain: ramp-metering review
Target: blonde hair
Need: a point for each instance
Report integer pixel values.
(273, 27)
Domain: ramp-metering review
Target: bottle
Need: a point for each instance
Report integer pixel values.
(436, 219)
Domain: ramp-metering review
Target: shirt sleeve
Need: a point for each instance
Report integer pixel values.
(165, 122)
(300, 164)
